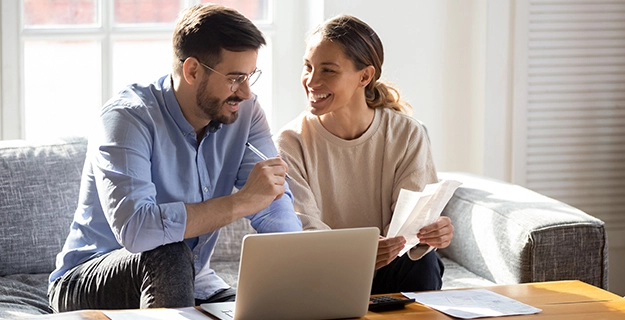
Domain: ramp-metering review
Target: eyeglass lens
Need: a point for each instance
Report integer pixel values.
(252, 78)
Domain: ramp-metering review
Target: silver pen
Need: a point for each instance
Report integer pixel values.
(260, 155)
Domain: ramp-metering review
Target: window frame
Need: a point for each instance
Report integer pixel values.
(278, 31)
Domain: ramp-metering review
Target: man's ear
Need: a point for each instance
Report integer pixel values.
(367, 75)
(190, 70)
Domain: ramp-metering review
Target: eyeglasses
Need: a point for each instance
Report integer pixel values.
(238, 80)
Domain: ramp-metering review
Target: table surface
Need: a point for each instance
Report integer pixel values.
(569, 300)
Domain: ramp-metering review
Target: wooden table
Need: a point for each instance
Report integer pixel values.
(568, 300)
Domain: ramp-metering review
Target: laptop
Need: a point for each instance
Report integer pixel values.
(324, 274)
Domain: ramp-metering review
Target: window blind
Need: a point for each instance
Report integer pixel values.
(575, 117)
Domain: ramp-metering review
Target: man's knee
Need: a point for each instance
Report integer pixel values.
(170, 258)
(177, 251)
(171, 274)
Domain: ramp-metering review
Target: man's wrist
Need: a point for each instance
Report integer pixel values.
(239, 204)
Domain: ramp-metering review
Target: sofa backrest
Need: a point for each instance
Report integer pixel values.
(39, 187)
(38, 196)
(228, 247)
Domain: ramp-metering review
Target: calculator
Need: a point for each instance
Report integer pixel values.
(386, 303)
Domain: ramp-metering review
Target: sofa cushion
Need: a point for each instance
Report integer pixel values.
(456, 276)
(38, 195)
(23, 294)
(228, 271)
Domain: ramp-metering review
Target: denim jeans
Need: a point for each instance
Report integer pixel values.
(406, 275)
(159, 278)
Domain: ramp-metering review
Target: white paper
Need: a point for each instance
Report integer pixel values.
(189, 313)
(415, 210)
(470, 304)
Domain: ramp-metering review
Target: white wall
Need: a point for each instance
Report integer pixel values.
(435, 52)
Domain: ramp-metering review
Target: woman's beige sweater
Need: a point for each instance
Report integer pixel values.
(340, 183)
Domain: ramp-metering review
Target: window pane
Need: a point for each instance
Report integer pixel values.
(263, 88)
(60, 13)
(61, 87)
(140, 61)
(253, 9)
(144, 61)
(146, 11)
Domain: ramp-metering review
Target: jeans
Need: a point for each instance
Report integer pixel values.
(224, 295)
(406, 275)
(159, 278)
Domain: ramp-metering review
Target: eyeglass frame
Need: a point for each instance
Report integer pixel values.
(236, 82)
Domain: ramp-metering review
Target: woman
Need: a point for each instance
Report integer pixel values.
(355, 148)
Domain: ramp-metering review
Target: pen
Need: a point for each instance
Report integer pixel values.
(260, 155)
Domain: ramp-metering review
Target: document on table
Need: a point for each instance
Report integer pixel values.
(473, 303)
(188, 313)
(415, 210)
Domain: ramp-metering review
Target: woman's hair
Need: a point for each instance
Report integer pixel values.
(363, 47)
(204, 29)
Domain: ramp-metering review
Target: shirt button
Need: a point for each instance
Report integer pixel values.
(195, 257)
(205, 189)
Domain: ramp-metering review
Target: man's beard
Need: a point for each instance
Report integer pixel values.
(211, 106)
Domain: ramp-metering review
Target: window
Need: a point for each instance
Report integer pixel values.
(63, 59)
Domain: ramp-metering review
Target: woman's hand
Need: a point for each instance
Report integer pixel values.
(437, 234)
(388, 249)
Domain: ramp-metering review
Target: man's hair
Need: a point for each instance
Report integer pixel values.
(204, 29)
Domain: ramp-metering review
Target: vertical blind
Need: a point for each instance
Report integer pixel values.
(575, 148)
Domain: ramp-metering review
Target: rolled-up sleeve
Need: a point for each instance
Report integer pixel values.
(278, 217)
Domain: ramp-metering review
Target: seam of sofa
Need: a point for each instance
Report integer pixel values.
(592, 224)
(605, 270)
(24, 144)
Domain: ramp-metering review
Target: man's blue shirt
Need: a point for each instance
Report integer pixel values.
(144, 163)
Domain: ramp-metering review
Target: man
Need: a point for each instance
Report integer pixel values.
(159, 174)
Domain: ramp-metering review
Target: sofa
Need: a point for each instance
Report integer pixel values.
(504, 233)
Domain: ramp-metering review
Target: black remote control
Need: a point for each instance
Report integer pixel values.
(386, 303)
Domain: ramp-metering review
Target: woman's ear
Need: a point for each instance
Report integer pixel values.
(367, 75)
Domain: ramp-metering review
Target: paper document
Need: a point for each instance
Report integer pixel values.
(470, 304)
(415, 210)
(189, 313)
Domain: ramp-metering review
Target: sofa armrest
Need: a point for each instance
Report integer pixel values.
(509, 234)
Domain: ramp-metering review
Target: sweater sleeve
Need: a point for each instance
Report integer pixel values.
(291, 150)
(415, 171)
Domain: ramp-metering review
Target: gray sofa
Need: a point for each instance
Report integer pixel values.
(504, 233)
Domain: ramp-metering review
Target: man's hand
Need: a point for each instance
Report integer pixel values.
(388, 249)
(437, 234)
(265, 183)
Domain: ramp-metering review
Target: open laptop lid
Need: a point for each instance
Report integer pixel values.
(306, 275)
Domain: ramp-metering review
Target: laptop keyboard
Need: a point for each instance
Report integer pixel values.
(228, 313)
